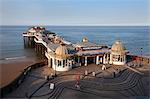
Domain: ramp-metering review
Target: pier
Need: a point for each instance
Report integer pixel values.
(62, 55)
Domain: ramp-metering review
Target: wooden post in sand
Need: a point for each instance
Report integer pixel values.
(39, 48)
(29, 41)
(35, 47)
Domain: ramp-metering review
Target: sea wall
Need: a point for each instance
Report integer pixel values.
(15, 83)
(142, 59)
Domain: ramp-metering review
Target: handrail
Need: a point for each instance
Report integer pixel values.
(140, 58)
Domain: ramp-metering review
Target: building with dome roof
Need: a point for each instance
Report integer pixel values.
(100, 54)
(118, 53)
(61, 59)
(88, 52)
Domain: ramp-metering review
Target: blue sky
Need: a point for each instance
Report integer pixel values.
(75, 12)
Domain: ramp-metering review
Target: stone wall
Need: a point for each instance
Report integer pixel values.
(14, 84)
(139, 58)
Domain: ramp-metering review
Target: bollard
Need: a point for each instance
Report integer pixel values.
(52, 74)
(103, 67)
(114, 74)
(46, 77)
(86, 73)
(25, 73)
(19, 82)
(29, 68)
(80, 64)
(134, 64)
(93, 73)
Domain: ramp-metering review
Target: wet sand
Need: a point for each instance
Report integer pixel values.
(10, 69)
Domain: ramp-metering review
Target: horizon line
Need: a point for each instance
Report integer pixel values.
(76, 25)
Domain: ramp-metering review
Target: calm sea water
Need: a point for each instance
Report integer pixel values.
(133, 38)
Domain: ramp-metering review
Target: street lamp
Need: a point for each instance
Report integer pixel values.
(55, 67)
(54, 63)
(141, 57)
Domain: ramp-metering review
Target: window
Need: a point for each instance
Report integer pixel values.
(60, 63)
(66, 62)
(69, 64)
(121, 59)
(63, 62)
(57, 62)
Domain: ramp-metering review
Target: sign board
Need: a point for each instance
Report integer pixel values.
(92, 48)
(52, 85)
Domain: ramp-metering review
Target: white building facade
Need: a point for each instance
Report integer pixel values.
(60, 60)
(86, 53)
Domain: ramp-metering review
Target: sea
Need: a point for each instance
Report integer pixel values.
(133, 37)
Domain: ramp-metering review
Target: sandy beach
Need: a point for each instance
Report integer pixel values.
(10, 69)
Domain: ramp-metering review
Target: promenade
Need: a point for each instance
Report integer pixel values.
(126, 83)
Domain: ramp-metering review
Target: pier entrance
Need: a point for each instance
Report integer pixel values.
(91, 59)
(85, 60)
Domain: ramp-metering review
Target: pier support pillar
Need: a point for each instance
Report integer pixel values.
(24, 40)
(35, 47)
(38, 48)
(28, 41)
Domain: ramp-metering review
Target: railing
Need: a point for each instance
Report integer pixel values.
(36, 39)
(140, 59)
(14, 84)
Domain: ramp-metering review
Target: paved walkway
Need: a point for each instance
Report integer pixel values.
(104, 85)
(134, 70)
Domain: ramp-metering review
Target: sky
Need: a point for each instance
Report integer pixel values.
(75, 12)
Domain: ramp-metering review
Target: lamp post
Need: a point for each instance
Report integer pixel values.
(55, 67)
(54, 63)
(141, 57)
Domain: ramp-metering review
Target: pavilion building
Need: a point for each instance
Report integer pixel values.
(62, 57)
(118, 54)
(88, 52)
